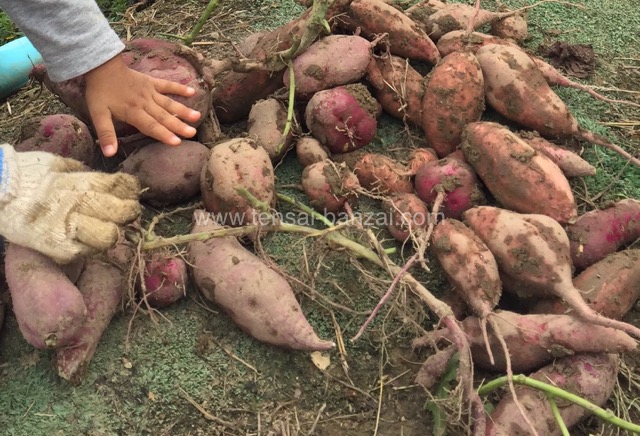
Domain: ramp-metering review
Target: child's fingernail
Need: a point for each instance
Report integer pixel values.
(109, 150)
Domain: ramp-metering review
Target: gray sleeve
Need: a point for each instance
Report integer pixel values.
(73, 36)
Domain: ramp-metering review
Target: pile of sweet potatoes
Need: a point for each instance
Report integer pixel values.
(495, 199)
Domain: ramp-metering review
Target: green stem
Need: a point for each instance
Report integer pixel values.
(303, 207)
(556, 414)
(601, 413)
(292, 94)
(203, 19)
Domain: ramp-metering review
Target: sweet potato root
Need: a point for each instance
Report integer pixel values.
(266, 126)
(535, 340)
(407, 215)
(571, 164)
(170, 175)
(49, 308)
(61, 134)
(382, 175)
(309, 150)
(600, 232)
(610, 286)
(258, 299)
(165, 279)
(591, 376)
(235, 164)
(518, 177)
(344, 118)
(329, 185)
(534, 249)
(455, 179)
(453, 98)
(316, 69)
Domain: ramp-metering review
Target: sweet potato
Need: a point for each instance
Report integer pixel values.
(534, 249)
(309, 150)
(610, 286)
(233, 165)
(382, 175)
(329, 185)
(420, 11)
(103, 283)
(170, 175)
(266, 126)
(571, 164)
(518, 177)
(406, 38)
(514, 28)
(61, 134)
(456, 16)
(49, 308)
(316, 69)
(600, 232)
(154, 57)
(419, 157)
(397, 86)
(455, 179)
(344, 118)
(406, 215)
(258, 299)
(591, 376)
(453, 98)
(459, 156)
(165, 279)
(535, 340)
(516, 89)
(248, 43)
(458, 40)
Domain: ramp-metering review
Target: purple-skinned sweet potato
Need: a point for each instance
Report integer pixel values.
(455, 179)
(170, 175)
(49, 308)
(165, 279)
(235, 164)
(590, 376)
(406, 215)
(258, 299)
(535, 340)
(315, 69)
(61, 134)
(344, 118)
(329, 185)
(154, 57)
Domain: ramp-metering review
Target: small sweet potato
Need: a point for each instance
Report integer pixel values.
(397, 86)
(329, 185)
(266, 126)
(170, 175)
(344, 118)
(406, 214)
(535, 340)
(233, 165)
(406, 38)
(49, 308)
(382, 175)
(591, 376)
(309, 150)
(258, 299)
(165, 279)
(514, 28)
(316, 69)
(455, 179)
(610, 286)
(453, 98)
(571, 164)
(600, 232)
(518, 177)
(61, 134)
(419, 157)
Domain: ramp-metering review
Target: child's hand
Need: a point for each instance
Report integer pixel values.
(116, 91)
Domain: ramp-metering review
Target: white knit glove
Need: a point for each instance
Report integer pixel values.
(58, 207)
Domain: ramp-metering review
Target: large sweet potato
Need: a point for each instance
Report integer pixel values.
(61, 134)
(600, 232)
(237, 163)
(316, 68)
(453, 98)
(49, 308)
(258, 299)
(170, 175)
(591, 376)
(518, 177)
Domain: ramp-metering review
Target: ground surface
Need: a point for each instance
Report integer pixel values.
(146, 380)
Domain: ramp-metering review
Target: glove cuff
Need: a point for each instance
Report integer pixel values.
(9, 177)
